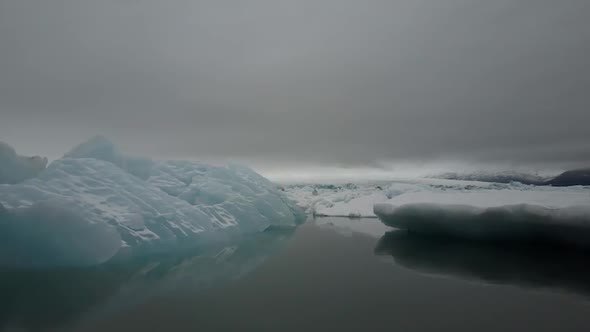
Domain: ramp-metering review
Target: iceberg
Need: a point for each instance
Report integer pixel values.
(96, 204)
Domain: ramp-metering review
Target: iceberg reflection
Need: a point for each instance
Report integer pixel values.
(51, 298)
(523, 265)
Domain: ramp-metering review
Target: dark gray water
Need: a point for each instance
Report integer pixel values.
(317, 278)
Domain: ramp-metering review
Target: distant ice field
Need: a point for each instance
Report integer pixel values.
(469, 209)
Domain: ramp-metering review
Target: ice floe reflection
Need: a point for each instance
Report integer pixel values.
(527, 265)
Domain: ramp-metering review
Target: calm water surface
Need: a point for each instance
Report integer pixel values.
(321, 277)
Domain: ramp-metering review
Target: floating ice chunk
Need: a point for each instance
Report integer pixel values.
(495, 215)
(15, 168)
(349, 226)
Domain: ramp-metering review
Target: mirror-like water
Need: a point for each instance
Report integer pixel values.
(321, 277)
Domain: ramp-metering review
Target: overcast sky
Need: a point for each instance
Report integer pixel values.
(319, 82)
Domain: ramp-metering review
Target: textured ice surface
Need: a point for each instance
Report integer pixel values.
(336, 200)
(15, 168)
(95, 203)
(226, 193)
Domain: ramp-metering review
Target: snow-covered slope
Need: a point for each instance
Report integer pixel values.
(89, 206)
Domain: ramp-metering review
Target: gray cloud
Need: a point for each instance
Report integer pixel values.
(315, 81)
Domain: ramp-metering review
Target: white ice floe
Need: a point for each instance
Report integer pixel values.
(537, 213)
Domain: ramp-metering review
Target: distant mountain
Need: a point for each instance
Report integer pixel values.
(579, 177)
(497, 177)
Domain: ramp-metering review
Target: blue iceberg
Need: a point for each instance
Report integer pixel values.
(96, 204)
